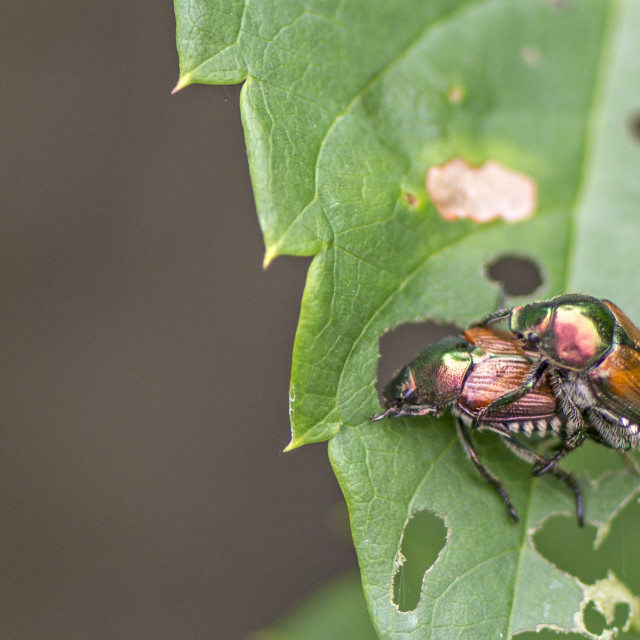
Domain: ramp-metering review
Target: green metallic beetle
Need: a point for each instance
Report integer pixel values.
(590, 353)
(466, 374)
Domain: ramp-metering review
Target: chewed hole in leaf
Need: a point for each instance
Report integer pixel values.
(619, 550)
(634, 125)
(594, 621)
(621, 615)
(423, 538)
(404, 343)
(481, 194)
(518, 276)
(570, 548)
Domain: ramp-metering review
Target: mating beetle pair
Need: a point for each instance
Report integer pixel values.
(568, 367)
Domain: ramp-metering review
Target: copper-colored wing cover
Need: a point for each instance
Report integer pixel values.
(503, 368)
(621, 318)
(616, 382)
(495, 341)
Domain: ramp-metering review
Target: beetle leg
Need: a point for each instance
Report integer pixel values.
(467, 444)
(568, 445)
(530, 456)
(532, 379)
(574, 486)
(568, 409)
(407, 410)
(384, 414)
(492, 318)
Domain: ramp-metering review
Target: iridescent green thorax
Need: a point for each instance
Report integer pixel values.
(439, 371)
(572, 331)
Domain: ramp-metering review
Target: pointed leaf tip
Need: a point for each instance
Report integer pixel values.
(183, 81)
(294, 444)
(269, 256)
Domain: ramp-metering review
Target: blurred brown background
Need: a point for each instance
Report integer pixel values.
(144, 353)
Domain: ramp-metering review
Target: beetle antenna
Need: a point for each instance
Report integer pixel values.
(384, 414)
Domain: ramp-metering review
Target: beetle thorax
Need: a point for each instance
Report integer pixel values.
(573, 341)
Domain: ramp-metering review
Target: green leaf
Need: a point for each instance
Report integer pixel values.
(489, 579)
(346, 105)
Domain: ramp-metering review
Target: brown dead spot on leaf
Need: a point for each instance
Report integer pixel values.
(409, 198)
(456, 94)
(530, 56)
(481, 193)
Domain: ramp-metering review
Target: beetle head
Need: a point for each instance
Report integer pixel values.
(531, 321)
(433, 380)
(401, 389)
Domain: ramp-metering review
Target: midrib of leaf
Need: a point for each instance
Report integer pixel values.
(522, 549)
(412, 506)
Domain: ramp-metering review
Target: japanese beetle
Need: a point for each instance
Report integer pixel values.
(590, 351)
(466, 374)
